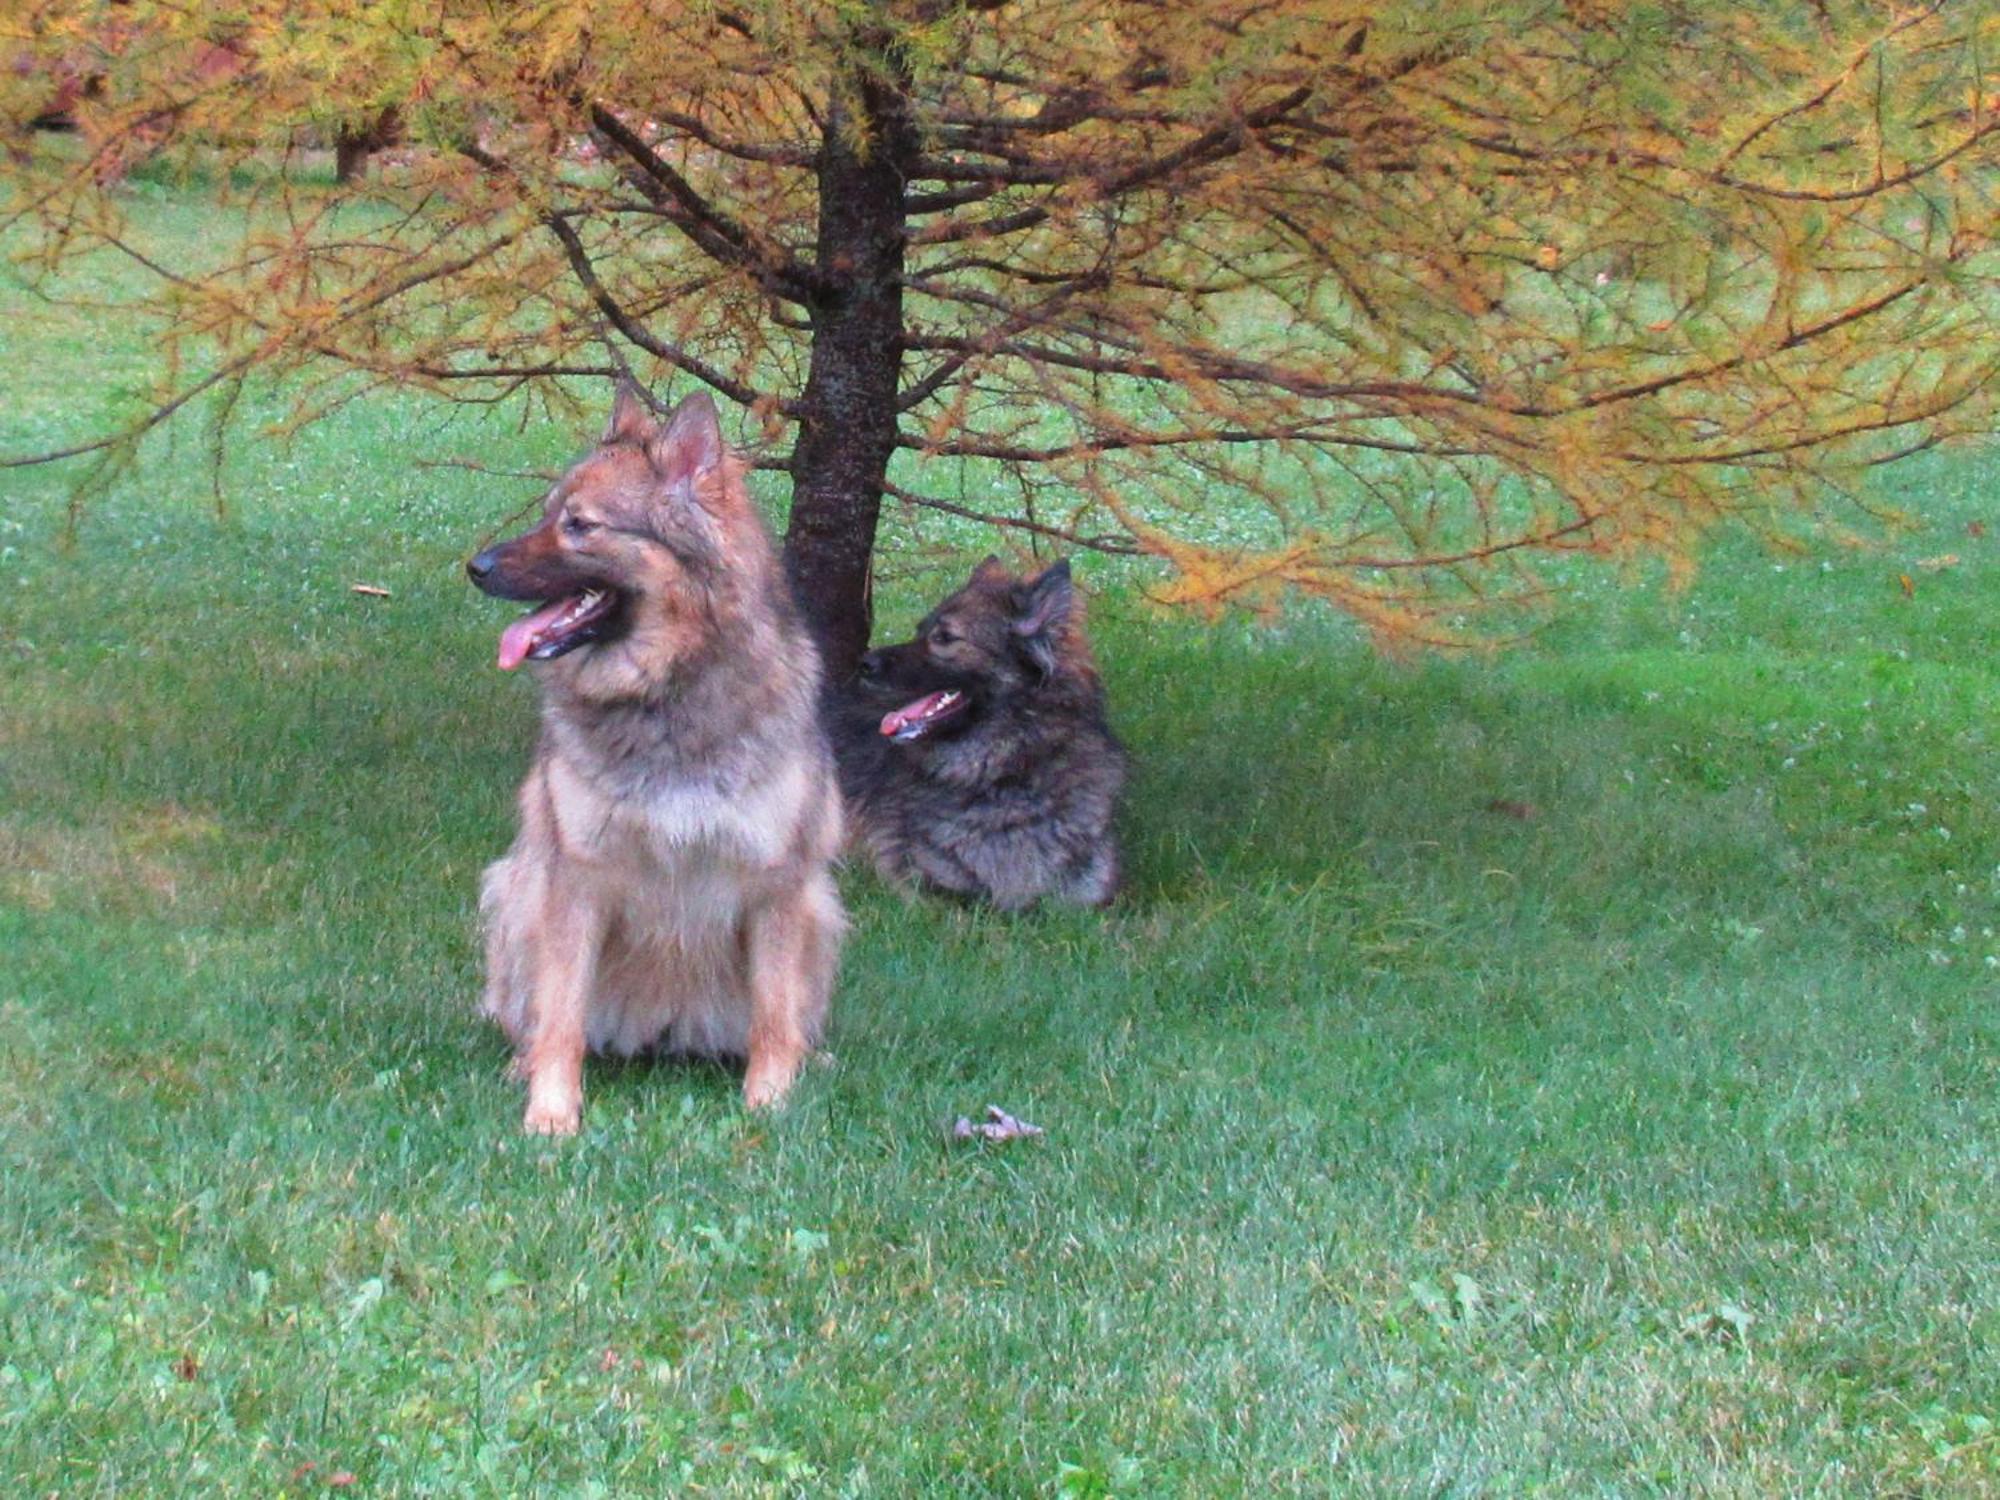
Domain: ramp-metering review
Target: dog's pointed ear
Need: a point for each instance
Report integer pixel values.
(1041, 613)
(991, 571)
(1046, 601)
(631, 419)
(690, 445)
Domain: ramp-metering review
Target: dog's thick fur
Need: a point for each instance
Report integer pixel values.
(669, 887)
(976, 759)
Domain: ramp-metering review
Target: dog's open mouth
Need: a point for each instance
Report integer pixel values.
(557, 628)
(915, 720)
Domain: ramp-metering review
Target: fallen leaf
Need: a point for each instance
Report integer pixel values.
(302, 1470)
(1429, 1296)
(1468, 1298)
(1909, 585)
(997, 1126)
(1727, 1324)
(1661, 326)
(369, 589)
(186, 1368)
(608, 1361)
(1939, 563)
(365, 1297)
(339, 1481)
(1527, 812)
(1975, 528)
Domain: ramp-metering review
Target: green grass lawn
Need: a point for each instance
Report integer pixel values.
(1569, 1073)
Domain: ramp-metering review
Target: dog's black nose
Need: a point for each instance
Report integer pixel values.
(871, 664)
(480, 567)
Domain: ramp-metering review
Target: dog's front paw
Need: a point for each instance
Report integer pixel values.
(766, 1089)
(774, 1066)
(560, 1117)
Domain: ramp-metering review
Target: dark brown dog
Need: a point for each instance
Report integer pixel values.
(669, 886)
(976, 758)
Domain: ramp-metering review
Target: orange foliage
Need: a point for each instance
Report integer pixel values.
(1379, 302)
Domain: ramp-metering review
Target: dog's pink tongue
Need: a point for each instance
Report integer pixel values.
(897, 718)
(518, 639)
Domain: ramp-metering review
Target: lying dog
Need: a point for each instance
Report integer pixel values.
(669, 887)
(975, 758)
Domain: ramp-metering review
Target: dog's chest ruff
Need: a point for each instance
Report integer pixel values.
(677, 854)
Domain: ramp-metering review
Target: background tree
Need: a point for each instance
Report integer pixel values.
(1382, 302)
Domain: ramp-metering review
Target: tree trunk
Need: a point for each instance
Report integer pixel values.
(848, 425)
(352, 148)
(350, 156)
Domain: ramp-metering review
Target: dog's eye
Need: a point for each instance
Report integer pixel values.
(577, 526)
(942, 637)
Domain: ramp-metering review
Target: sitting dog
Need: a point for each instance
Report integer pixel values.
(975, 758)
(669, 887)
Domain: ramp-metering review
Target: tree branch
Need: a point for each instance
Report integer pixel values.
(1116, 545)
(133, 431)
(1314, 432)
(1214, 144)
(713, 231)
(692, 125)
(672, 354)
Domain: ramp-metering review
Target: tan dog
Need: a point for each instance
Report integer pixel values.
(669, 887)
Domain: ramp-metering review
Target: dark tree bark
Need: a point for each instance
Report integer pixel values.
(350, 155)
(352, 148)
(848, 417)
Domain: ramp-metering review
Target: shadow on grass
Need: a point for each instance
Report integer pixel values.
(353, 773)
